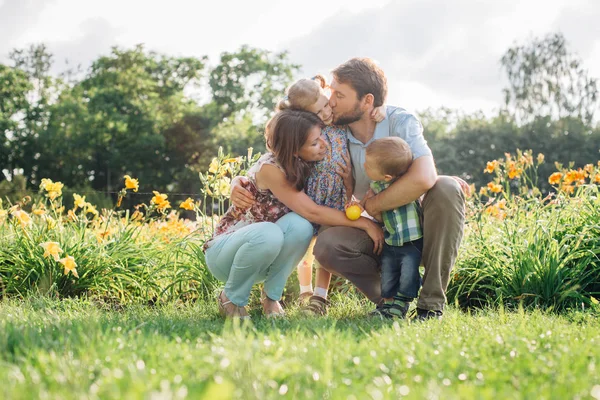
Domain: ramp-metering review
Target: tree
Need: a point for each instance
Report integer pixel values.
(35, 62)
(250, 79)
(114, 120)
(13, 107)
(546, 79)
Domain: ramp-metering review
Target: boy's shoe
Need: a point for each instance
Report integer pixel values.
(423, 315)
(316, 307)
(379, 311)
(397, 308)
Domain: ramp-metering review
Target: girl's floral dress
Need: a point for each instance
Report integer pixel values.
(324, 185)
(266, 208)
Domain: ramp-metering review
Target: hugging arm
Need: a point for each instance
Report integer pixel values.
(240, 196)
(272, 178)
(420, 177)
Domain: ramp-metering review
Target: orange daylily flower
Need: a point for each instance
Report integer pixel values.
(555, 178)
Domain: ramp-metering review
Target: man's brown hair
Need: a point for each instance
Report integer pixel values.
(392, 155)
(285, 134)
(365, 77)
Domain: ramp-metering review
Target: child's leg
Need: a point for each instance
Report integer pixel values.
(390, 272)
(305, 269)
(322, 281)
(410, 278)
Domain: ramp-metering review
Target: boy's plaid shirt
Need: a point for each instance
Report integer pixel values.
(402, 224)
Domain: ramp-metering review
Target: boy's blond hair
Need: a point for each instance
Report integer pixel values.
(302, 94)
(392, 155)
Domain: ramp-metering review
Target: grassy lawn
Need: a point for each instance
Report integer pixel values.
(74, 349)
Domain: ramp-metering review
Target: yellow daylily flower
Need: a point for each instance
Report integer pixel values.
(494, 188)
(39, 210)
(51, 249)
(3, 214)
(214, 166)
(51, 222)
(164, 205)
(540, 158)
(188, 204)
(160, 200)
(224, 187)
(78, 201)
(53, 189)
(490, 167)
(131, 183)
(22, 216)
(91, 209)
(70, 265)
(158, 197)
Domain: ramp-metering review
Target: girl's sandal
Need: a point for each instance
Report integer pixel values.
(271, 314)
(303, 298)
(232, 311)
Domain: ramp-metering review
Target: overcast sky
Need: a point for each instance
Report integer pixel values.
(435, 52)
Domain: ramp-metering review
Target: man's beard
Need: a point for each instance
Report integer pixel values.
(349, 117)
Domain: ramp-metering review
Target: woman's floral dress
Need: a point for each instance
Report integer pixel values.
(266, 208)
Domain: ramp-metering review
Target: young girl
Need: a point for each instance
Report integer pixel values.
(265, 241)
(330, 183)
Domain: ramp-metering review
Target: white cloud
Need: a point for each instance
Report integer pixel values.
(434, 52)
(16, 17)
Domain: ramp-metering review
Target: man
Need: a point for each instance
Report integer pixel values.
(358, 86)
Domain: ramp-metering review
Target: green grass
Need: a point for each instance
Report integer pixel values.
(75, 349)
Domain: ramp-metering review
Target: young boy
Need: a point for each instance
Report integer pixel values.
(386, 160)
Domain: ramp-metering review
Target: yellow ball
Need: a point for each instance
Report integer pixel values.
(353, 212)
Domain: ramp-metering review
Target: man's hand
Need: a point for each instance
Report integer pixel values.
(367, 204)
(240, 196)
(369, 195)
(463, 185)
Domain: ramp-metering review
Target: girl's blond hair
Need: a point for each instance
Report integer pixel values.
(302, 94)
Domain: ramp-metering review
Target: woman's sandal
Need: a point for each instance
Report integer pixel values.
(232, 311)
(271, 314)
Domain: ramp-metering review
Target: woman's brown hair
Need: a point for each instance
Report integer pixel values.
(285, 134)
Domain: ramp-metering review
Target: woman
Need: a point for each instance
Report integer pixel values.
(267, 240)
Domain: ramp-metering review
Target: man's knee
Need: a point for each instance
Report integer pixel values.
(447, 188)
(324, 248)
(445, 193)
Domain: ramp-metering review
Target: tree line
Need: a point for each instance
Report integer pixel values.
(139, 112)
